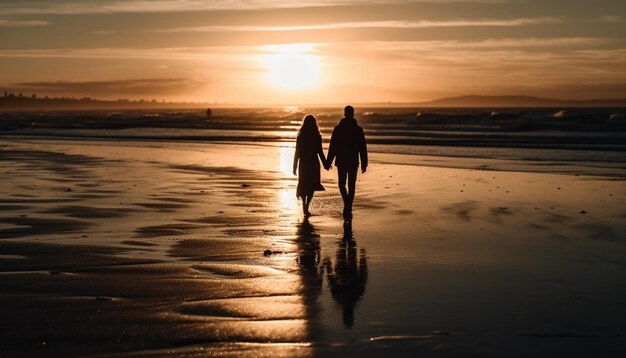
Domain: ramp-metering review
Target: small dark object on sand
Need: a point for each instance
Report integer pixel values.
(583, 212)
(67, 190)
(245, 185)
(441, 333)
(267, 253)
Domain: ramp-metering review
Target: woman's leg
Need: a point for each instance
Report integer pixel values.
(303, 197)
(307, 202)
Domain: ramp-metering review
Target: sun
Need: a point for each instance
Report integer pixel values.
(291, 67)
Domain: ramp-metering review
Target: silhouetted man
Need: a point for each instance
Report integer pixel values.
(347, 144)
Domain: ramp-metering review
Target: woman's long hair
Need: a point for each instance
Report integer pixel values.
(309, 129)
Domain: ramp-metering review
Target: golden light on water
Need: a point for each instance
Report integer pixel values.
(291, 67)
(288, 201)
(285, 155)
(287, 197)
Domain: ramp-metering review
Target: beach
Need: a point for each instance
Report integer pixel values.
(156, 248)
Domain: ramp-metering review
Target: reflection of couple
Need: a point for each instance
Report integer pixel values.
(347, 144)
(347, 276)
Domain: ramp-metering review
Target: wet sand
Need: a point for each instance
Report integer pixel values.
(156, 248)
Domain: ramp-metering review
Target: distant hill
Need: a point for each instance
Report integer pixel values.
(518, 101)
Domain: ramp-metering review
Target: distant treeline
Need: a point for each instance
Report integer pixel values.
(19, 101)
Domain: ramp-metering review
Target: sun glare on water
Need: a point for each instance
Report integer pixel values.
(291, 67)
(287, 196)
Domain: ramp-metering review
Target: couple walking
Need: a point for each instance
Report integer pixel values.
(347, 144)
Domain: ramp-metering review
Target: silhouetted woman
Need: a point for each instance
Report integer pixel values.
(308, 149)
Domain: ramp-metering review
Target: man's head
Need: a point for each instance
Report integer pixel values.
(348, 112)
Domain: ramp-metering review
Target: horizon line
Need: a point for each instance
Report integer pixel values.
(16, 95)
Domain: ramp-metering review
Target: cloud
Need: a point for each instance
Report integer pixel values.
(230, 53)
(535, 42)
(544, 55)
(611, 19)
(173, 53)
(103, 32)
(417, 47)
(118, 6)
(22, 23)
(150, 86)
(390, 24)
(449, 63)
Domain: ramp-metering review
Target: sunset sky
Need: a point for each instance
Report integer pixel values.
(321, 51)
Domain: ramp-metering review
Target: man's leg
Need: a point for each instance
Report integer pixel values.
(342, 177)
(352, 173)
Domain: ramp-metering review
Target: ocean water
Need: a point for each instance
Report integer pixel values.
(555, 134)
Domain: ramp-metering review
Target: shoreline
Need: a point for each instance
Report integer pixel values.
(566, 167)
(504, 142)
